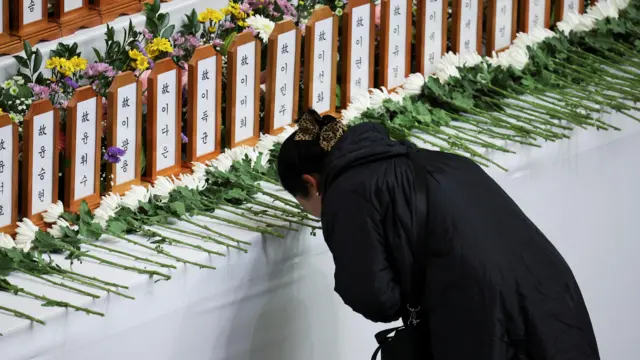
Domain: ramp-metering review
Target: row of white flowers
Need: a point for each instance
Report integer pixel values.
(515, 56)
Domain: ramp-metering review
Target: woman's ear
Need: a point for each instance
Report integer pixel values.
(312, 184)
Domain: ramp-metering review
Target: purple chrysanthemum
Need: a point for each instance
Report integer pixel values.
(69, 81)
(147, 35)
(185, 139)
(114, 154)
(39, 91)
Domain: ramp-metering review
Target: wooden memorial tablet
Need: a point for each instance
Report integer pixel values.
(467, 26)
(40, 160)
(164, 110)
(124, 130)
(535, 13)
(8, 174)
(395, 40)
(358, 51)
(501, 24)
(431, 34)
(8, 44)
(568, 6)
(283, 77)
(109, 10)
(82, 150)
(204, 120)
(243, 91)
(73, 15)
(321, 61)
(30, 21)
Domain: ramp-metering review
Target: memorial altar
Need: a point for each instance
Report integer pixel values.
(140, 212)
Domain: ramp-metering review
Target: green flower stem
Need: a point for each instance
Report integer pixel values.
(475, 139)
(530, 114)
(606, 80)
(92, 284)
(264, 222)
(267, 179)
(517, 128)
(481, 132)
(125, 267)
(464, 146)
(58, 303)
(209, 229)
(268, 214)
(60, 284)
(173, 241)
(298, 214)
(605, 61)
(561, 114)
(158, 249)
(444, 148)
(546, 134)
(202, 237)
(95, 279)
(277, 197)
(488, 131)
(143, 259)
(22, 315)
(241, 225)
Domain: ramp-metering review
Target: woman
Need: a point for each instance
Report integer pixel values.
(495, 287)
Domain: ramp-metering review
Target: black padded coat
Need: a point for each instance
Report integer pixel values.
(496, 288)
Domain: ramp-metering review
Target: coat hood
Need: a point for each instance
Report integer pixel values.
(362, 144)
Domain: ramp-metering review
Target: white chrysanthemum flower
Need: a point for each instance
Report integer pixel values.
(56, 230)
(262, 25)
(444, 72)
(199, 170)
(6, 241)
(286, 133)
(102, 215)
(377, 97)
(413, 84)
(347, 115)
(190, 182)
(25, 234)
(396, 97)
(223, 162)
(53, 212)
(568, 23)
(602, 10)
(523, 40)
(620, 4)
(449, 59)
(517, 57)
(470, 59)
(360, 104)
(266, 143)
(134, 196)
(111, 201)
(162, 187)
(539, 34)
(238, 153)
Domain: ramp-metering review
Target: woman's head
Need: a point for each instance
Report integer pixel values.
(302, 158)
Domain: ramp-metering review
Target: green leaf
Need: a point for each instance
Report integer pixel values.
(178, 209)
(166, 33)
(28, 51)
(21, 61)
(85, 212)
(37, 61)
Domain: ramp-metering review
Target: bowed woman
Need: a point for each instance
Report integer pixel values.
(492, 286)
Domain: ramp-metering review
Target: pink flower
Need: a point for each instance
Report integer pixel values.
(143, 82)
(185, 77)
(378, 9)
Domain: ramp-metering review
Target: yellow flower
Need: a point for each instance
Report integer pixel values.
(141, 63)
(78, 63)
(1, 112)
(212, 29)
(54, 62)
(225, 11)
(300, 2)
(135, 54)
(158, 45)
(62, 65)
(215, 15)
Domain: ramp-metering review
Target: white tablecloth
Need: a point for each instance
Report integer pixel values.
(94, 37)
(277, 303)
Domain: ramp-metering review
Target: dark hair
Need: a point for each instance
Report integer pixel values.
(302, 157)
